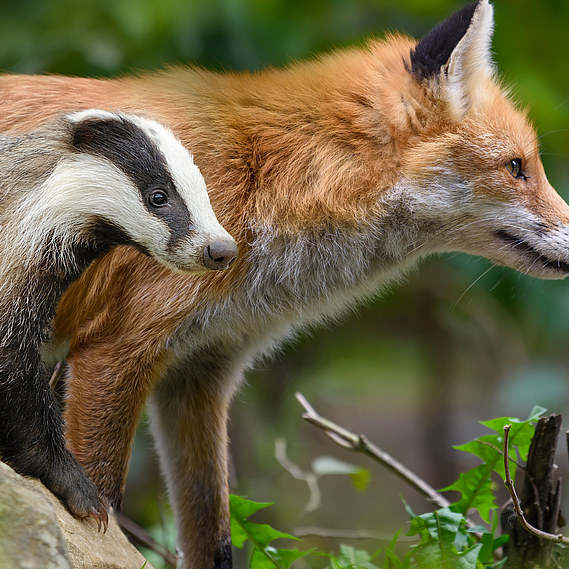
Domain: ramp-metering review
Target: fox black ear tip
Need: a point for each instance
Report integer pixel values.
(435, 49)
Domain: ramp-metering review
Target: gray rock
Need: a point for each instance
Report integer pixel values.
(37, 532)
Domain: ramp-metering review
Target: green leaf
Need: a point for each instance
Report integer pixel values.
(443, 536)
(391, 560)
(351, 558)
(243, 508)
(238, 533)
(441, 555)
(475, 487)
(487, 548)
(536, 413)
(284, 558)
(325, 465)
(361, 480)
(263, 534)
(407, 508)
(242, 529)
(470, 556)
(393, 542)
(499, 541)
(442, 524)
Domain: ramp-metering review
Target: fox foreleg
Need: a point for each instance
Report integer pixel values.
(189, 422)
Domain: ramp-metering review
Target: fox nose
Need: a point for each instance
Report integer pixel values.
(220, 254)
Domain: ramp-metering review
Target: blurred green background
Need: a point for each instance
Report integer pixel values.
(460, 341)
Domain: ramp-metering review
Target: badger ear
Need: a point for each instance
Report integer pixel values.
(455, 55)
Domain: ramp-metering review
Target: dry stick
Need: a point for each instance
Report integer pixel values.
(143, 538)
(350, 441)
(353, 442)
(57, 375)
(349, 534)
(309, 477)
(557, 538)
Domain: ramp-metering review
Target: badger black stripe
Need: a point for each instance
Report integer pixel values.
(130, 149)
(435, 49)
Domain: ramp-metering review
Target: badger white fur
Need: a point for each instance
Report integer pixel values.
(68, 193)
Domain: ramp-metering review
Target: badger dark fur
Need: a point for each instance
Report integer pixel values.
(68, 193)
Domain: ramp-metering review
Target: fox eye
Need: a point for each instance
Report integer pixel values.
(515, 168)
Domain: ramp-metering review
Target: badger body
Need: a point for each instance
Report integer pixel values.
(68, 193)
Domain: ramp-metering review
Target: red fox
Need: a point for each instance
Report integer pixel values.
(334, 175)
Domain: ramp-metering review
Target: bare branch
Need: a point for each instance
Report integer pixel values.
(557, 538)
(349, 534)
(353, 442)
(141, 537)
(57, 375)
(501, 452)
(309, 477)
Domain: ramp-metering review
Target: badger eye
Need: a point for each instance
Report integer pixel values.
(158, 198)
(515, 168)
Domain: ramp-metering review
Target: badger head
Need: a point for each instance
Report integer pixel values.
(136, 183)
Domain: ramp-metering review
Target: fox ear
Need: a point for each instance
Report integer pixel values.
(455, 55)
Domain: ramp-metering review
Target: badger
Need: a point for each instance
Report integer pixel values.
(70, 191)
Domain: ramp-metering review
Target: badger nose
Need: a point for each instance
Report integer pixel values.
(220, 254)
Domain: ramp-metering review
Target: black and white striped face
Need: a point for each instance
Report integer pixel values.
(133, 175)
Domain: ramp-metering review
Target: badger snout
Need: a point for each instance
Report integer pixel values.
(220, 254)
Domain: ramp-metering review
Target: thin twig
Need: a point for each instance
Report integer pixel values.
(557, 538)
(309, 477)
(523, 469)
(348, 534)
(57, 375)
(501, 452)
(353, 442)
(144, 539)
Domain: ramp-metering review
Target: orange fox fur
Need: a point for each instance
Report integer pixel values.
(333, 176)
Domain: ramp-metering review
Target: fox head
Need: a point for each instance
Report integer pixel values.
(471, 173)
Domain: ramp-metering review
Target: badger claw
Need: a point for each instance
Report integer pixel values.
(101, 517)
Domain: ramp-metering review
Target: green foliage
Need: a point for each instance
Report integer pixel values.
(265, 556)
(475, 485)
(260, 536)
(446, 540)
(351, 558)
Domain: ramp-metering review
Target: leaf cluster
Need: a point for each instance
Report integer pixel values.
(446, 537)
(264, 555)
(446, 540)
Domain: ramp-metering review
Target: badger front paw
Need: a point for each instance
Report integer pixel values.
(67, 479)
(79, 496)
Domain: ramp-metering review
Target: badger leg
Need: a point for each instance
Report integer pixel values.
(32, 435)
(189, 419)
